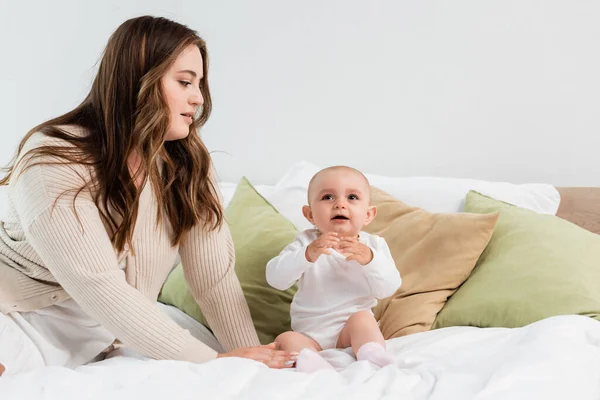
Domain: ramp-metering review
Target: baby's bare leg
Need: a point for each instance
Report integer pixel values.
(294, 341)
(2, 369)
(362, 333)
(360, 328)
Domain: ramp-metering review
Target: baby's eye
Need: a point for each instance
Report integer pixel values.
(353, 197)
(327, 197)
(185, 83)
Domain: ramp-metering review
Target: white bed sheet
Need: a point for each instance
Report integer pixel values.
(556, 358)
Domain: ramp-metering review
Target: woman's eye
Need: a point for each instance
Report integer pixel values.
(185, 83)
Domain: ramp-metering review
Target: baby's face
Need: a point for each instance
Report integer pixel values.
(339, 201)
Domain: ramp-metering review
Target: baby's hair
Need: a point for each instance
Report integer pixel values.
(334, 168)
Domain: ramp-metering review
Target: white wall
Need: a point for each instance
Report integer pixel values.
(498, 90)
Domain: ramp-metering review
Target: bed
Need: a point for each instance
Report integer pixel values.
(553, 358)
(581, 206)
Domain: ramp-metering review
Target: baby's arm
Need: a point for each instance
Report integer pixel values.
(382, 274)
(285, 269)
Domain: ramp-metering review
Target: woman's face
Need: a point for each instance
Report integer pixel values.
(181, 88)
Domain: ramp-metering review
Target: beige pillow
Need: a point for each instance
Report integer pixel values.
(435, 254)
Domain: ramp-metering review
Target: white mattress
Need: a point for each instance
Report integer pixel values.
(556, 358)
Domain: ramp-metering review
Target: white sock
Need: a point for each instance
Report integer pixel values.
(375, 353)
(310, 361)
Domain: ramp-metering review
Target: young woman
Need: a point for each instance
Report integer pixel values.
(101, 201)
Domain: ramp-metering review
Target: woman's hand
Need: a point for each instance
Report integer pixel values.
(266, 354)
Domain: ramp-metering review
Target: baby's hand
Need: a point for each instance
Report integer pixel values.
(320, 245)
(352, 249)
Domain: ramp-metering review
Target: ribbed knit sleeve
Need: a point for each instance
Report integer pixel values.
(73, 244)
(208, 259)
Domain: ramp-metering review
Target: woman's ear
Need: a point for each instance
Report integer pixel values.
(371, 213)
(307, 212)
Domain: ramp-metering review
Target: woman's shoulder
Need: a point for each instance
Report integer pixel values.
(61, 137)
(40, 138)
(37, 166)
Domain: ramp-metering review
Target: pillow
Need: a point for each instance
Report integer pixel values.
(228, 189)
(435, 253)
(259, 233)
(536, 266)
(439, 195)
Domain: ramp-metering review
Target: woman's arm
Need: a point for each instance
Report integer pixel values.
(71, 239)
(82, 260)
(208, 259)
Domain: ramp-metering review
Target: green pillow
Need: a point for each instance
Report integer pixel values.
(535, 266)
(259, 233)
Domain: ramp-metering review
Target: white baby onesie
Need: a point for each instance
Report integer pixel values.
(331, 289)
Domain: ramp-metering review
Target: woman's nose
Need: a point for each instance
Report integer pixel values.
(196, 99)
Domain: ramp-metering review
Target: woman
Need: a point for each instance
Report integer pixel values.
(101, 201)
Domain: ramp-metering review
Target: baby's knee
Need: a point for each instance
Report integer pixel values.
(285, 337)
(361, 318)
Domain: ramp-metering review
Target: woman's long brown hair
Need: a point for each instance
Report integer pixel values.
(125, 113)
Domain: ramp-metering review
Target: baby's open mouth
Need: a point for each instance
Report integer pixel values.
(340, 217)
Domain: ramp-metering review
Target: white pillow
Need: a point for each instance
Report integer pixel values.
(439, 195)
(228, 190)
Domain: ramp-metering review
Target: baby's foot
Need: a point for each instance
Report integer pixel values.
(375, 353)
(2, 369)
(310, 361)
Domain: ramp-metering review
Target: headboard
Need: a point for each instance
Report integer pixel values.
(581, 205)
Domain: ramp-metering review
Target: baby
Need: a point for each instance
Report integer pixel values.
(340, 270)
